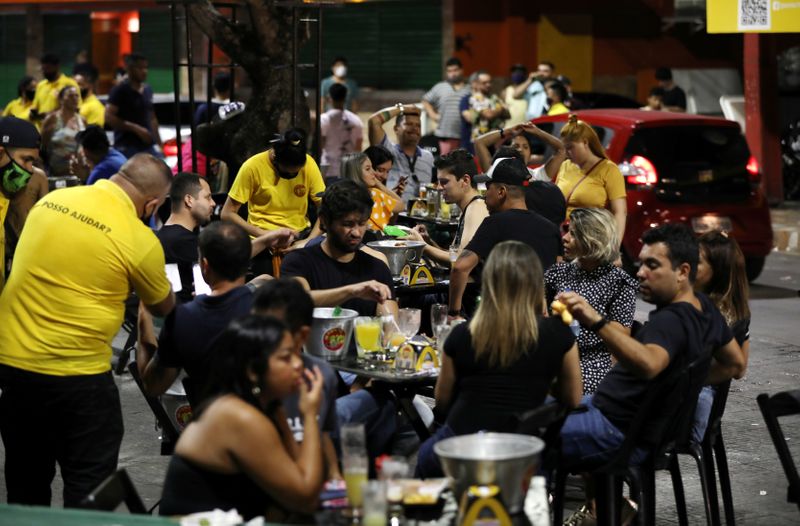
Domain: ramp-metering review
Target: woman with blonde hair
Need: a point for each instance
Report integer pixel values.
(588, 179)
(358, 168)
(590, 244)
(503, 362)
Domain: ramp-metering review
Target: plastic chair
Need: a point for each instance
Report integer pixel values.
(169, 431)
(112, 492)
(682, 387)
(785, 403)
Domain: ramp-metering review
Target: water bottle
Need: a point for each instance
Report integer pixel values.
(537, 505)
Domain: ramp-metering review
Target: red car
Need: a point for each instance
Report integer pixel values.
(687, 168)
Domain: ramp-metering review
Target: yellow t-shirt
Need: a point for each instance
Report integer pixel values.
(46, 98)
(80, 252)
(5, 203)
(19, 109)
(557, 109)
(93, 111)
(273, 202)
(382, 206)
(604, 184)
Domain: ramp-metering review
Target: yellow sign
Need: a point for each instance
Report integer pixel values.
(753, 16)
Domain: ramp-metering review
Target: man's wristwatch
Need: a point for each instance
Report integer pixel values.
(399, 106)
(599, 324)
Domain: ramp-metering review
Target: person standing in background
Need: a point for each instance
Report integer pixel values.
(339, 70)
(517, 106)
(91, 109)
(21, 106)
(130, 111)
(342, 131)
(47, 90)
(441, 104)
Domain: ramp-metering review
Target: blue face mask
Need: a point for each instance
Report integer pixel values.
(518, 77)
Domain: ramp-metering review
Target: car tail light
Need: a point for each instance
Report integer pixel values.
(170, 148)
(753, 169)
(639, 170)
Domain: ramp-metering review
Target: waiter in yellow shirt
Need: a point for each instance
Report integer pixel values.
(81, 251)
(91, 109)
(276, 185)
(21, 106)
(19, 148)
(46, 97)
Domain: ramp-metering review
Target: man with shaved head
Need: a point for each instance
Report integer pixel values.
(80, 252)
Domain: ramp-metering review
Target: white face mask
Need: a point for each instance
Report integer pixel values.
(340, 71)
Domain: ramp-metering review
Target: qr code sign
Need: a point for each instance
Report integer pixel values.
(754, 14)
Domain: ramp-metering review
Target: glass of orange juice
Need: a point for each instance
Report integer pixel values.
(368, 335)
(354, 462)
(393, 338)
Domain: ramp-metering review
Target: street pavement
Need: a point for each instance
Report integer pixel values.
(759, 485)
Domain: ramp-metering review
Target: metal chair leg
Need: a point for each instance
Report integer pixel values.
(708, 494)
(711, 484)
(677, 488)
(724, 480)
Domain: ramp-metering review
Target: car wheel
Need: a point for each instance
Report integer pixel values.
(754, 266)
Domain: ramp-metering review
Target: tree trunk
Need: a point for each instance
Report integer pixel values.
(264, 50)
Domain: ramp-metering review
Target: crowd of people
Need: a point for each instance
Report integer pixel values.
(266, 415)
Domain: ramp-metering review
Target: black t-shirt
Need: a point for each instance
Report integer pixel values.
(190, 331)
(674, 97)
(547, 200)
(134, 107)
(489, 398)
(517, 225)
(180, 247)
(686, 334)
(323, 273)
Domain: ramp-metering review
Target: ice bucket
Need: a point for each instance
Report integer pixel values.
(504, 459)
(330, 335)
(398, 252)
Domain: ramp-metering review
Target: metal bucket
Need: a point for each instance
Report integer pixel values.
(504, 459)
(330, 336)
(398, 253)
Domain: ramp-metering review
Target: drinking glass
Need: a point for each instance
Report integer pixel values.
(438, 319)
(374, 502)
(409, 321)
(393, 337)
(354, 461)
(368, 335)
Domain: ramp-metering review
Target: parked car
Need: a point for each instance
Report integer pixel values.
(164, 106)
(683, 168)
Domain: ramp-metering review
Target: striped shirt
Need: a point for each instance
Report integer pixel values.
(445, 100)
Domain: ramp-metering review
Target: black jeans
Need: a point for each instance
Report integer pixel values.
(73, 420)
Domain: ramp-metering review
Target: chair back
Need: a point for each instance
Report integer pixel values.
(168, 428)
(112, 492)
(785, 403)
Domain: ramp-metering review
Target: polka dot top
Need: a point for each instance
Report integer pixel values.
(382, 206)
(611, 292)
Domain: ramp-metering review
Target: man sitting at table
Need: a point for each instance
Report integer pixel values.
(190, 330)
(287, 300)
(456, 172)
(336, 272)
(510, 219)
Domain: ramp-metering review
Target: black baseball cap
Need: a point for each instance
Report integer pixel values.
(17, 133)
(506, 170)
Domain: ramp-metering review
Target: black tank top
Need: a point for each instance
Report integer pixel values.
(190, 488)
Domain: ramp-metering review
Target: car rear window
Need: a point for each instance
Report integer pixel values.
(695, 163)
(165, 113)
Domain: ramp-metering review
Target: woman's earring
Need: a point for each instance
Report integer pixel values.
(256, 390)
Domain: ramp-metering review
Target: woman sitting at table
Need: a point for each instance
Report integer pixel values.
(588, 178)
(238, 452)
(358, 168)
(503, 362)
(591, 244)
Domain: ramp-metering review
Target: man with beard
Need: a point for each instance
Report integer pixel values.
(45, 99)
(336, 272)
(412, 165)
(81, 251)
(441, 104)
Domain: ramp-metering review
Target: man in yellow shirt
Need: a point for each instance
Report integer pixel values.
(91, 109)
(19, 148)
(81, 251)
(21, 106)
(46, 98)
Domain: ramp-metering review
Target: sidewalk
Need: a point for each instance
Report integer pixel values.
(786, 227)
